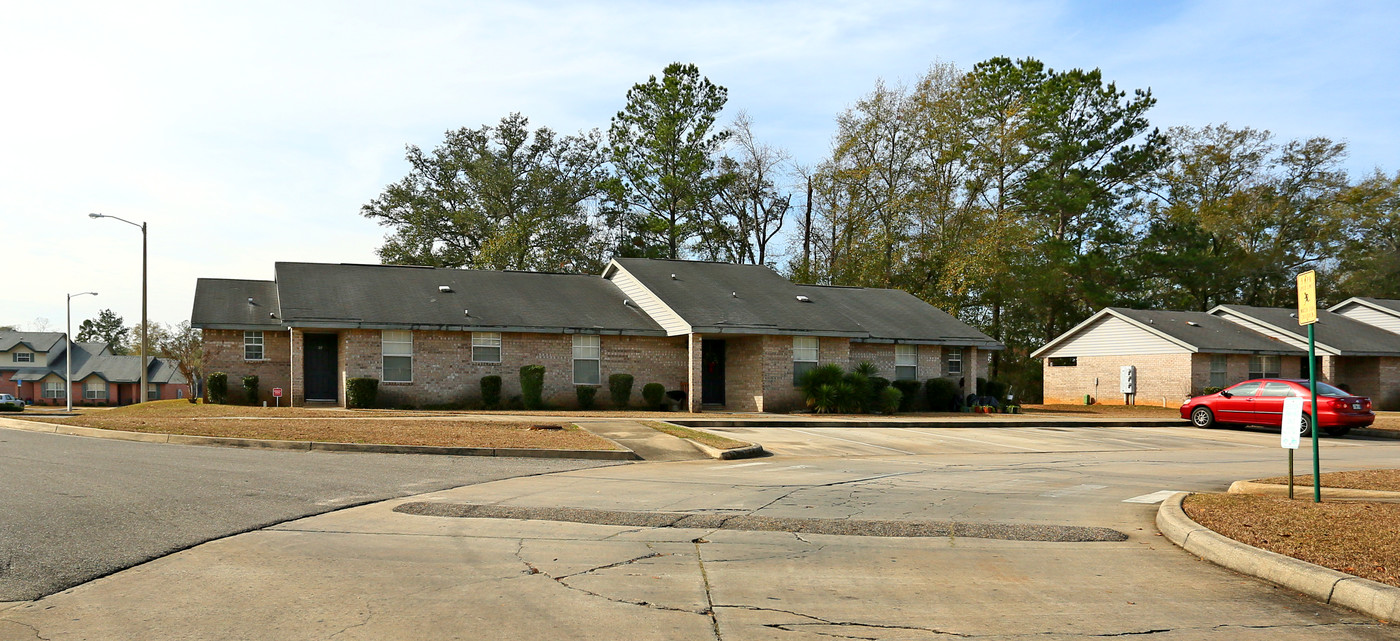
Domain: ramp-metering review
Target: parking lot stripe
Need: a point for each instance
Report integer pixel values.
(1155, 497)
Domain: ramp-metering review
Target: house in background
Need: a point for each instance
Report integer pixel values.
(1183, 354)
(1380, 312)
(730, 336)
(32, 366)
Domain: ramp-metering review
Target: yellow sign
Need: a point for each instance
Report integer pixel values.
(1307, 298)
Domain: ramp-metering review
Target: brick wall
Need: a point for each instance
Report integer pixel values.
(224, 353)
(1159, 376)
(1388, 371)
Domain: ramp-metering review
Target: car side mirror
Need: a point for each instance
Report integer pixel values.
(1226, 394)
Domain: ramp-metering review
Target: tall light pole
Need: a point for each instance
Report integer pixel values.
(145, 367)
(68, 351)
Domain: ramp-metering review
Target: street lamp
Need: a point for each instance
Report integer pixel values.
(68, 351)
(145, 367)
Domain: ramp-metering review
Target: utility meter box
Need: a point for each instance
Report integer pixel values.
(1128, 379)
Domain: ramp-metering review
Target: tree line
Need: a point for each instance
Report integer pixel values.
(1019, 197)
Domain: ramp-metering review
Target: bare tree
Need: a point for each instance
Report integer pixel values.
(750, 209)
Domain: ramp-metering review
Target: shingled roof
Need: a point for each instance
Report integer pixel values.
(37, 341)
(236, 304)
(1335, 332)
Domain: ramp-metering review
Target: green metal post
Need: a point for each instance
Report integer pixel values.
(1316, 415)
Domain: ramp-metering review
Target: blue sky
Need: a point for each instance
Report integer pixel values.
(252, 132)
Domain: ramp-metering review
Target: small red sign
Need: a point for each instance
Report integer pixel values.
(277, 392)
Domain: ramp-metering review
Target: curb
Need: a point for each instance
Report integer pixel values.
(1324, 584)
(748, 451)
(1272, 489)
(315, 446)
(968, 423)
(1372, 432)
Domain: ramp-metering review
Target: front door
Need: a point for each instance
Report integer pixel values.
(319, 368)
(712, 372)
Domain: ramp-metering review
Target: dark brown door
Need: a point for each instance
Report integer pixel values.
(712, 372)
(319, 368)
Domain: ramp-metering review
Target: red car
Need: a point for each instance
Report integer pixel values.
(1260, 402)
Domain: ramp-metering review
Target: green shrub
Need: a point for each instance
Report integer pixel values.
(818, 378)
(620, 387)
(532, 386)
(854, 394)
(361, 392)
(941, 394)
(12, 407)
(866, 369)
(878, 385)
(996, 388)
(1210, 390)
(909, 391)
(585, 395)
(654, 394)
(822, 398)
(491, 391)
(250, 389)
(890, 399)
(217, 387)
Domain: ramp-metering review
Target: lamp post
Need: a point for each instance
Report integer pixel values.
(68, 350)
(145, 367)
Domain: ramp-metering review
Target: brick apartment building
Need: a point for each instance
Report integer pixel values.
(727, 336)
(32, 366)
(1183, 354)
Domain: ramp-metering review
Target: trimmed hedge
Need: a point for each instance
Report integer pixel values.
(942, 395)
(654, 394)
(532, 386)
(909, 391)
(361, 392)
(620, 388)
(585, 395)
(217, 387)
(250, 389)
(491, 391)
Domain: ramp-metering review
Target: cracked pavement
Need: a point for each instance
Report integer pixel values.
(376, 572)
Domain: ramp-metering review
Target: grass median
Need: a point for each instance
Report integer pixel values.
(713, 440)
(333, 426)
(1356, 537)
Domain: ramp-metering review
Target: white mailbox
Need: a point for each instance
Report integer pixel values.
(1128, 379)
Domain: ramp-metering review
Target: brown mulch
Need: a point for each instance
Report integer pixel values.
(1359, 538)
(1387, 480)
(333, 426)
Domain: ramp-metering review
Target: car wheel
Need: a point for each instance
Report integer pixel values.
(1202, 417)
(1305, 426)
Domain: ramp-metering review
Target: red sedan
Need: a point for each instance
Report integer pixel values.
(1260, 402)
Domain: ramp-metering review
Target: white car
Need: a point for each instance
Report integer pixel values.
(11, 403)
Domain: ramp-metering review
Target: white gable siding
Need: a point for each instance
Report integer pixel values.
(1113, 336)
(1370, 316)
(649, 303)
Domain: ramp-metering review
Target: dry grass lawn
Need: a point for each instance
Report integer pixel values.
(1354, 537)
(1387, 421)
(334, 426)
(713, 440)
(1387, 480)
(1108, 411)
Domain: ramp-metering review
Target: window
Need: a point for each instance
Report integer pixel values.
(804, 356)
(1219, 371)
(179, 393)
(252, 346)
(1245, 389)
(152, 392)
(1264, 366)
(55, 389)
(587, 353)
(398, 356)
(954, 360)
(906, 362)
(23, 357)
(1064, 361)
(95, 390)
(1276, 389)
(486, 347)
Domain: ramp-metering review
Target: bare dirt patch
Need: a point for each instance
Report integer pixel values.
(1385, 480)
(333, 426)
(1353, 537)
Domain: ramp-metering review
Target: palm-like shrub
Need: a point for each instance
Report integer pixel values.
(890, 399)
(819, 387)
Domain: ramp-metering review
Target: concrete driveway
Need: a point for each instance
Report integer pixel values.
(539, 571)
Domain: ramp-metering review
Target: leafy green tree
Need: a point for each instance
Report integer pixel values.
(501, 197)
(107, 328)
(1370, 260)
(663, 146)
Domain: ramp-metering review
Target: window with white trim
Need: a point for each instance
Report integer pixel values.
(1261, 366)
(1219, 370)
(153, 391)
(23, 357)
(95, 390)
(588, 354)
(398, 355)
(486, 347)
(955, 355)
(252, 346)
(906, 362)
(805, 351)
(55, 389)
